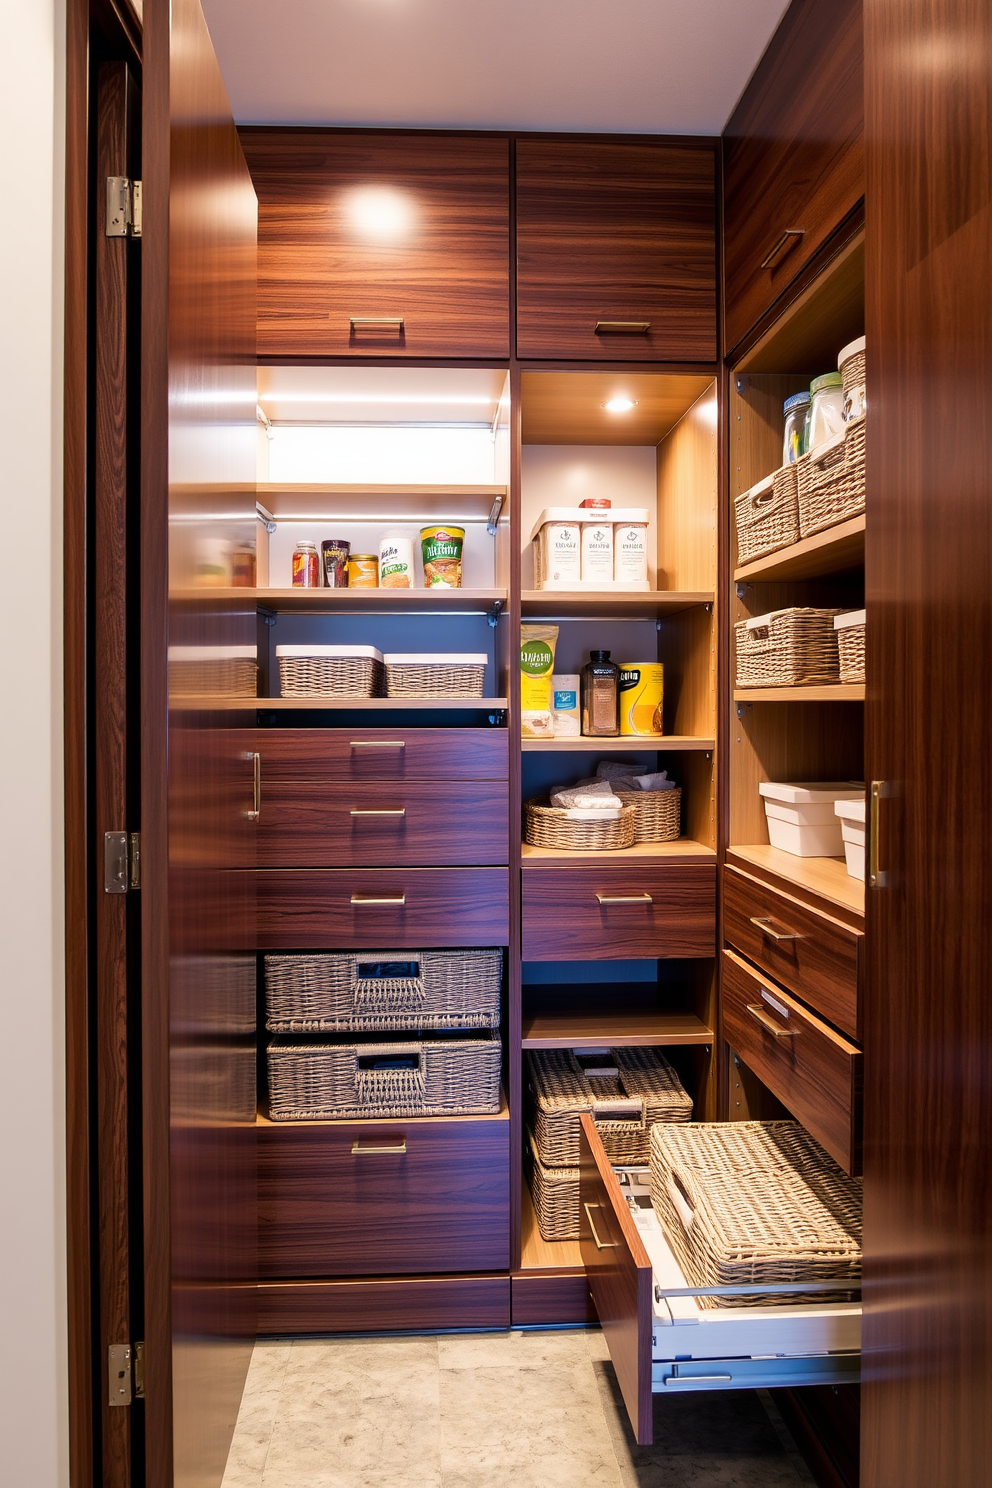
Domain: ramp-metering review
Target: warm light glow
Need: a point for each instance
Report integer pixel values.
(379, 214)
(620, 404)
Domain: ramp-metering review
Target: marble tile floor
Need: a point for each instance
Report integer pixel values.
(490, 1410)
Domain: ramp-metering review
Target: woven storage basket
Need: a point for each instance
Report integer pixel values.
(430, 677)
(657, 814)
(787, 648)
(853, 371)
(851, 650)
(356, 991)
(555, 1192)
(330, 1081)
(767, 516)
(330, 671)
(755, 1201)
(213, 671)
(644, 1089)
(832, 481)
(548, 826)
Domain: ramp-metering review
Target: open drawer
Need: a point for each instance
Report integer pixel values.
(660, 1339)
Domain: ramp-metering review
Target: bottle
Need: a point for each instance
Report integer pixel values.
(306, 566)
(600, 697)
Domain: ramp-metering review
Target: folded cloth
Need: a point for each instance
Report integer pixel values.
(613, 770)
(658, 782)
(582, 813)
(596, 796)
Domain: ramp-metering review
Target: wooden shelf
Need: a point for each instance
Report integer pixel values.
(594, 1014)
(352, 601)
(538, 1254)
(582, 603)
(263, 1119)
(831, 692)
(288, 503)
(826, 877)
(839, 548)
(649, 745)
(349, 704)
(683, 847)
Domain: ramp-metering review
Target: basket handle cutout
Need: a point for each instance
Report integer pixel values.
(369, 971)
(763, 498)
(679, 1195)
(387, 1064)
(619, 1110)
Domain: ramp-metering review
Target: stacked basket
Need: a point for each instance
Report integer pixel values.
(787, 648)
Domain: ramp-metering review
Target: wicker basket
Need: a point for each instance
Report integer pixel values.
(555, 1192)
(755, 1201)
(359, 991)
(787, 648)
(832, 481)
(657, 814)
(325, 1081)
(435, 676)
(330, 671)
(641, 1089)
(767, 516)
(851, 646)
(853, 372)
(548, 826)
(213, 671)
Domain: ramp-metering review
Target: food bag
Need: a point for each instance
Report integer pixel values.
(537, 664)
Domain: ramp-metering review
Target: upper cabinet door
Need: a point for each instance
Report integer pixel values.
(794, 156)
(381, 244)
(616, 251)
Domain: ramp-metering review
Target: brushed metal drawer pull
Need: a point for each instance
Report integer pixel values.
(789, 239)
(375, 322)
(381, 811)
(377, 744)
(693, 1381)
(622, 327)
(600, 1244)
(357, 1150)
(760, 1016)
(364, 899)
(256, 811)
(764, 924)
(625, 898)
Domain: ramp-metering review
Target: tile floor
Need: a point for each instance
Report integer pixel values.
(506, 1410)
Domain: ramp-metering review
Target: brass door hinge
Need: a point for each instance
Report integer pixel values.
(121, 862)
(123, 207)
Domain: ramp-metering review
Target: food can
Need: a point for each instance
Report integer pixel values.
(334, 559)
(363, 571)
(395, 561)
(641, 695)
(442, 550)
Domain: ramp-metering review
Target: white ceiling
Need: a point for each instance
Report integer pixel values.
(638, 66)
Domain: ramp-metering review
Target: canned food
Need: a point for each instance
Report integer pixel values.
(395, 561)
(334, 553)
(641, 693)
(363, 571)
(442, 550)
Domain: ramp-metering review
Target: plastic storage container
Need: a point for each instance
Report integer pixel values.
(591, 548)
(801, 819)
(854, 833)
(794, 410)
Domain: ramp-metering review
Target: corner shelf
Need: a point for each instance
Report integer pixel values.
(682, 847)
(839, 548)
(576, 744)
(826, 877)
(830, 692)
(578, 604)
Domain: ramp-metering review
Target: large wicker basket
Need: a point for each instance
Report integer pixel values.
(851, 645)
(548, 826)
(767, 516)
(832, 481)
(787, 648)
(755, 1201)
(657, 814)
(555, 1192)
(330, 671)
(435, 676)
(328, 1081)
(640, 1088)
(359, 991)
(213, 671)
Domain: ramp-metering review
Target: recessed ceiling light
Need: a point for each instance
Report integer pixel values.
(620, 404)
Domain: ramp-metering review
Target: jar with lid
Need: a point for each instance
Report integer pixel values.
(243, 566)
(600, 697)
(306, 566)
(794, 409)
(825, 417)
(363, 571)
(851, 365)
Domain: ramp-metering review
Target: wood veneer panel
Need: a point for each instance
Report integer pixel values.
(827, 552)
(687, 498)
(429, 1304)
(563, 920)
(569, 407)
(551, 1301)
(357, 755)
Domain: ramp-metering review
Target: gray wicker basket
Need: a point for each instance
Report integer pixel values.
(637, 1087)
(767, 516)
(329, 1081)
(366, 991)
(755, 1201)
(787, 648)
(330, 671)
(832, 481)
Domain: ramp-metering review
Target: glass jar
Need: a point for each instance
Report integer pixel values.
(243, 566)
(794, 410)
(825, 418)
(600, 697)
(306, 566)
(363, 571)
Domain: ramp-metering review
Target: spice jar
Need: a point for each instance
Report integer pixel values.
(826, 410)
(363, 571)
(306, 566)
(600, 697)
(794, 409)
(243, 566)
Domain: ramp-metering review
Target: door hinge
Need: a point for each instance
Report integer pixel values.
(123, 207)
(121, 862)
(126, 1373)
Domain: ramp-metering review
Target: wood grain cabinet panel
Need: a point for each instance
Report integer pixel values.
(619, 910)
(366, 908)
(793, 156)
(356, 228)
(811, 1069)
(357, 755)
(814, 956)
(382, 1198)
(616, 233)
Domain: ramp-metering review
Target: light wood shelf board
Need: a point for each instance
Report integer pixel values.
(683, 847)
(567, 407)
(826, 877)
(831, 692)
(582, 603)
(538, 1254)
(839, 548)
(306, 502)
(351, 704)
(351, 601)
(658, 1029)
(651, 744)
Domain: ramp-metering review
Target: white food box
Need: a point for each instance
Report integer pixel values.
(562, 539)
(849, 618)
(852, 825)
(818, 814)
(801, 818)
(806, 842)
(800, 793)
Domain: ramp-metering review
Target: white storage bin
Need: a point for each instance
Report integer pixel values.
(800, 793)
(801, 818)
(806, 842)
(819, 814)
(854, 833)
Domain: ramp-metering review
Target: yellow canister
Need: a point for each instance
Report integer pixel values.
(641, 694)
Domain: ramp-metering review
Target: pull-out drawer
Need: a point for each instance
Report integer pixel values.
(339, 824)
(813, 1070)
(661, 1340)
(816, 957)
(383, 1198)
(619, 909)
(323, 909)
(368, 754)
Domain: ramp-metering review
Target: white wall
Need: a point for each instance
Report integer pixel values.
(33, 1434)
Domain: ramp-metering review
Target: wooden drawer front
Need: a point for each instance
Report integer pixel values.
(328, 908)
(332, 824)
(808, 1066)
(616, 233)
(794, 156)
(444, 268)
(383, 754)
(417, 1196)
(580, 912)
(817, 958)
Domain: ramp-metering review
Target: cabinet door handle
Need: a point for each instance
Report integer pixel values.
(357, 1150)
(760, 1016)
(625, 898)
(877, 877)
(256, 788)
(622, 327)
(377, 744)
(381, 811)
(600, 1244)
(375, 323)
(374, 899)
(789, 239)
(764, 924)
